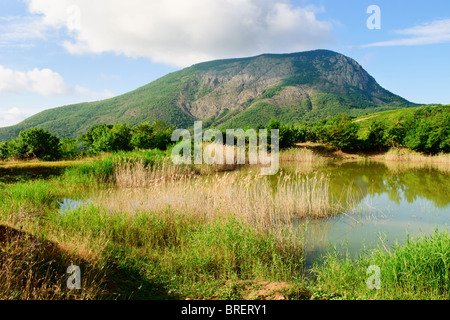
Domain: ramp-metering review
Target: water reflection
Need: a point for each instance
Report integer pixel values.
(388, 202)
(372, 178)
(391, 204)
(67, 204)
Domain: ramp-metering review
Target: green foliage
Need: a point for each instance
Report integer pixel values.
(96, 137)
(162, 136)
(288, 133)
(41, 144)
(307, 105)
(4, 150)
(417, 270)
(428, 130)
(119, 137)
(142, 136)
(395, 133)
(69, 148)
(376, 137)
(34, 143)
(425, 129)
(341, 132)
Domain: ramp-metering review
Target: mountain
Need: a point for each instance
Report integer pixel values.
(233, 93)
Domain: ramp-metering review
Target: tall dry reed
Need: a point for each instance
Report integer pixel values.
(402, 159)
(262, 201)
(299, 155)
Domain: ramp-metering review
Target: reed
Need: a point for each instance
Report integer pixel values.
(299, 155)
(403, 159)
(405, 155)
(257, 199)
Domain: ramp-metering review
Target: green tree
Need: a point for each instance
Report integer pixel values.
(288, 134)
(91, 139)
(107, 138)
(376, 139)
(69, 148)
(395, 133)
(142, 136)
(35, 143)
(341, 132)
(4, 150)
(120, 136)
(428, 130)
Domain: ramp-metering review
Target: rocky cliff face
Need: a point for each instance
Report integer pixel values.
(294, 78)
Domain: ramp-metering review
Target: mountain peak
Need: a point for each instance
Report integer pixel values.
(293, 87)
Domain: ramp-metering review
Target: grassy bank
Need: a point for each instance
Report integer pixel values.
(153, 253)
(152, 230)
(418, 270)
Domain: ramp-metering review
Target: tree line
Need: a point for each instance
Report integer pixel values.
(425, 130)
(37, 143)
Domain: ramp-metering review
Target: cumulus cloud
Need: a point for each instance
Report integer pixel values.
(12, 116)
(180, 33)
(44, 82)
(435, 32)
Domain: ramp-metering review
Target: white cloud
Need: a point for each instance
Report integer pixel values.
(435, 32)
(21, 30)
(12, 116)
(86, 93)
(179, 32)
(44, 82)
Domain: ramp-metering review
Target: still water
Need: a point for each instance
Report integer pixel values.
(387, 203)
(390, 203)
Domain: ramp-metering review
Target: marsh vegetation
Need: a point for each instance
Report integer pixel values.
(144, 228)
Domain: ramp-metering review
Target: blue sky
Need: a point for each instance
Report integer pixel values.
(54, 53)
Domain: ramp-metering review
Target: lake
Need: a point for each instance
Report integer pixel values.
(382, 203)
(391, 201)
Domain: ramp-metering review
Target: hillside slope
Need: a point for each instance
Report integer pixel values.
(233, 93)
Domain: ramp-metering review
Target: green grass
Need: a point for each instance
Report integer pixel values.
(181, 254)
(418, 270)
(169, 254)
(387, 117)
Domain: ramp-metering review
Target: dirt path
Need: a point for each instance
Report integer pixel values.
(327, 151)
(364, 119)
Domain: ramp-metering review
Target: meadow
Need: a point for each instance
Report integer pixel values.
(143, 228)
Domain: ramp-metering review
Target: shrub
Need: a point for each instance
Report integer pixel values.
(4, 151)
(35, 143)
(69, 148)
(108, 138)
(376, 137)
(288, 134)
(341, 132)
